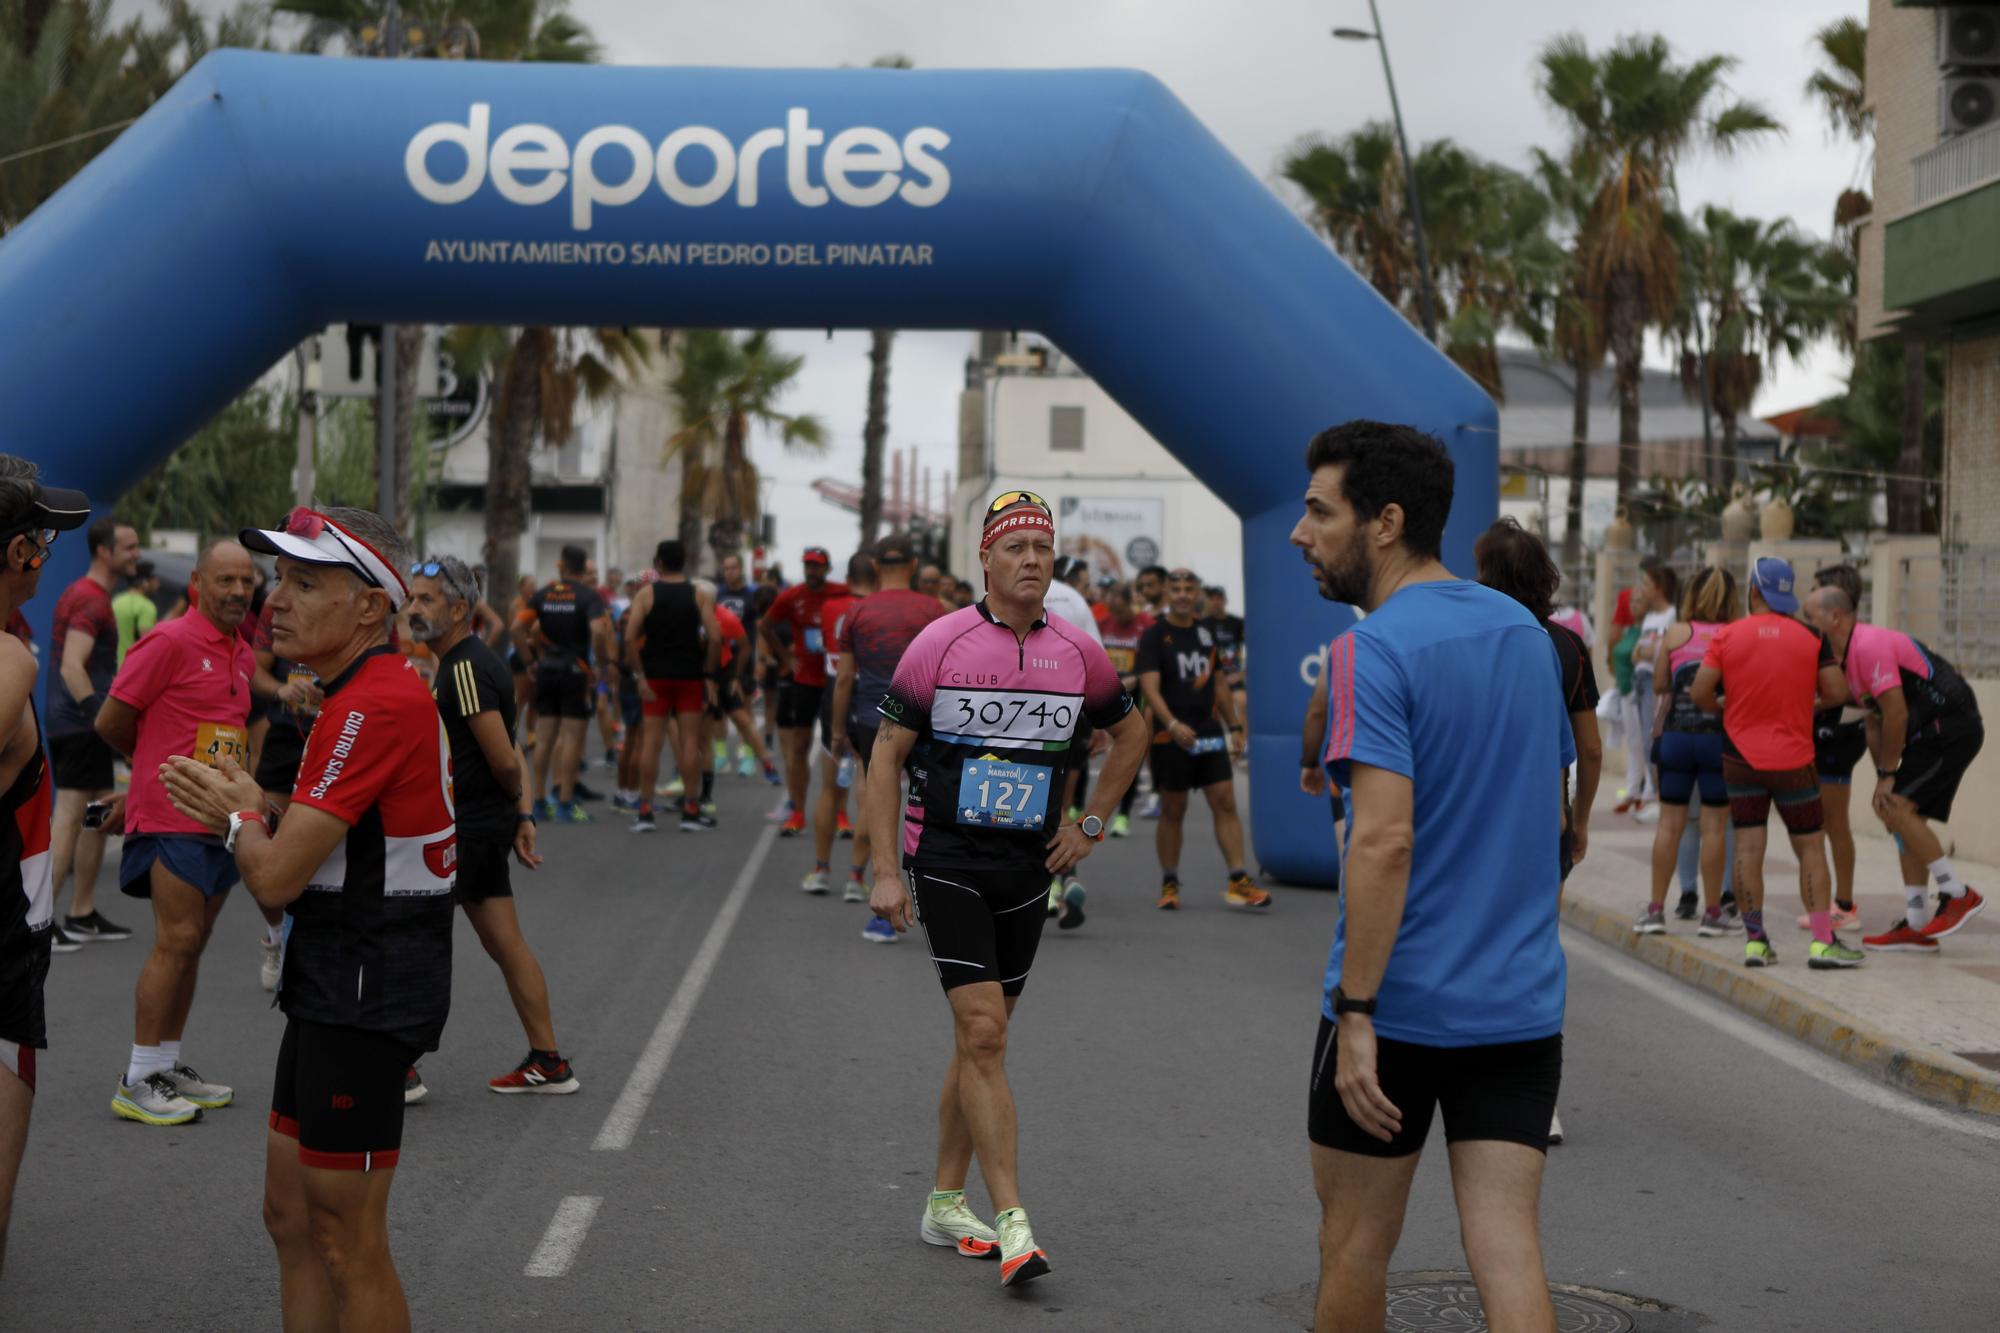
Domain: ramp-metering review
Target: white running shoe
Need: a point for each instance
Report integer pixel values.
(208, 1096)
(815, 882)
(1020, 1258)
(271, 961)
(154, 1100)
(855, 892)
(947, 1221)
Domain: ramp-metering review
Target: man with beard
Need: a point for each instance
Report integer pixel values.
(1445, 981)
(184, 689)
(495, 815)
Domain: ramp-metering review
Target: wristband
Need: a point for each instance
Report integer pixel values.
(1308, 764)
(1882, 772)
(1343, 1003)
(1236, 727)
(524, 817)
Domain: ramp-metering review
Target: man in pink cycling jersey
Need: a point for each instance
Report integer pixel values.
(1924, 731)
(983, 709)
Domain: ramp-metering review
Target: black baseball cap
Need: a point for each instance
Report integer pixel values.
(63, 510)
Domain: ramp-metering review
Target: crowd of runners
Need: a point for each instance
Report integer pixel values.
(365, 743)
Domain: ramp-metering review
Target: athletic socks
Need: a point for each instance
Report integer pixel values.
(1171, 876)
(854, 873)
(148, 1060)
(1914, 896)
(690, 808)
(546, 1057)
(1238, 873)
(1753, 925)
(708, 784)
(1822, 926)
(274, 934)
(1947, 882)
(1844, 904)
(821, 867)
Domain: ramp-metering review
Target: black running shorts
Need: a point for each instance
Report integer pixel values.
(80, 761)
(982, 924)
(1837, 746)
(562, 693)
(1175, 769)
(339, 1092)
(484, 869)
(1504, 1092)
(728, 698)
(1934, 764)
(798, 705)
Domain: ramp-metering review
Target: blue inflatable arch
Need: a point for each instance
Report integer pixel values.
(268, 195)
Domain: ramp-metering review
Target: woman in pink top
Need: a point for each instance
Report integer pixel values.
(1687, 747)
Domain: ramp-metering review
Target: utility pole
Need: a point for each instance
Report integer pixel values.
(306, 467)
(386, 499)
(1424, 294)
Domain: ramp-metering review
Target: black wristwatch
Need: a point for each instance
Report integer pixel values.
(1343, 1003)
(1882, 772)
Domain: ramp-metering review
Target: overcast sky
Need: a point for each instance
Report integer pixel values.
(1260, 73)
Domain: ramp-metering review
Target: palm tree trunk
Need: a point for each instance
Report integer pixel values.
(511, 443)
(1906, 491)
(725, 532)
(409, 350)
(689, 531)
(875, 433)
(1726, 414)
(1579, 464)
(1628, 344)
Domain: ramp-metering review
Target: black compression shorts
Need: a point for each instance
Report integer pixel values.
(798, 705)
(339, 1092)
(982, 925)
(1504, 1092)
(1837, 748)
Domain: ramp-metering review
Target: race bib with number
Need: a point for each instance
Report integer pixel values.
(1004, 717)
(212, 740)
(815, 641)
(1209, 744)
(998, 794)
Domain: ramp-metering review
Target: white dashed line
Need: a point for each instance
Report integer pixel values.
(564, 1237)
(622, 1123)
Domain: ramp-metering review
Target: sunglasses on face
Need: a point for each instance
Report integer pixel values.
(1002, 501)
(43, 538)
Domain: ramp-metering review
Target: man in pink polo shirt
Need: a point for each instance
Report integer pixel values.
(184, 689)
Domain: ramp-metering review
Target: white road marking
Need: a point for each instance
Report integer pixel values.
(1769, 1041)
(621, 1124)
(564, 1237)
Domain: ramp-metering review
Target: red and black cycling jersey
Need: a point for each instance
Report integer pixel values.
(369, 944)
(27, 899)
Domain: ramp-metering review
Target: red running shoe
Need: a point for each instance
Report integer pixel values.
(532, 1075)
(842, 826)
(794, 826)
(1953, 913)
(1902, 938)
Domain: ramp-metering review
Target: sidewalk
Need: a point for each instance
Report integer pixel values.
(1929, 1025)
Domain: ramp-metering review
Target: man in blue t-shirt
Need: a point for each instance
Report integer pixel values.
(1445, 986)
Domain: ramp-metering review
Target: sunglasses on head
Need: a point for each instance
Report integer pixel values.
(1002, 501)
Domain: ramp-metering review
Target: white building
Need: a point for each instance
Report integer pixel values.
(611, 489)
(1030, 419)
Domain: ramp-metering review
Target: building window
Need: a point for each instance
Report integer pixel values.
(1066, 429)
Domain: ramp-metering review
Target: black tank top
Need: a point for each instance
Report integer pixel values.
(27, 899)
(672, 647)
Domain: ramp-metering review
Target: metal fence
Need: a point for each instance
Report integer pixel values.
(1959, 163)
(1952, 602)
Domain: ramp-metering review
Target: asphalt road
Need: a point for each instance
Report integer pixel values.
(775, 1178)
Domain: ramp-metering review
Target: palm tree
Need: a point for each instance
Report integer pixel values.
(875, 430)
(1571, 183)
(1639, 112)
(63, 78)
(725, 387)
(1751, 292)
(1354, 195)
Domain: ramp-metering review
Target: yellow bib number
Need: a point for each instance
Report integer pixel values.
(212, 740)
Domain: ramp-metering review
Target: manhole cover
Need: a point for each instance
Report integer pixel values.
(1453, 1307)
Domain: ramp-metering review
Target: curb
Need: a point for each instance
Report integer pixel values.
(1808, 1018)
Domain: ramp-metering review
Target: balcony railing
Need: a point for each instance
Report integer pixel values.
(1958, 164)
(1952, 602)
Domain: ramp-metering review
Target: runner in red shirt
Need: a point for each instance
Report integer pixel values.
(364, 860)
(731, 706)
(802, 667)
(830, 815)
(1766, 674)
(30, 517)
(184, 689)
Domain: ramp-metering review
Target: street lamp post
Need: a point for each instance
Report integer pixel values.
(385, 395)
(1424, 303)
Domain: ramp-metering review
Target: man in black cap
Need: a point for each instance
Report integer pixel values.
(30, 517)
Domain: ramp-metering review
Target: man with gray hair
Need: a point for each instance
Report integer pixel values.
(364, 861)
(475, 697)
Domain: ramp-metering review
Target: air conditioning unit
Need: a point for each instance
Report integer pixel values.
(1968, 35)
(1968, 102)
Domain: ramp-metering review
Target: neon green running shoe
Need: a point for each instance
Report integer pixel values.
(1121, 827)
(1759, 953)
(1020, 1259)
(1823, 956)
(947, 1221)
(721, 751)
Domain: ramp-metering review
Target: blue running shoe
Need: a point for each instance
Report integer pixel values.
(546, 810)
(574, 813)
(878, 931)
